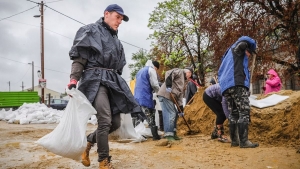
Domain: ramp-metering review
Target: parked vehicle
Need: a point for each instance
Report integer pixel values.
(58, 104)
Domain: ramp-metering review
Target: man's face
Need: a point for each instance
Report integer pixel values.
(188, 74)
(113, 19)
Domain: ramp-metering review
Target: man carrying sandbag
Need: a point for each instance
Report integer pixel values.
(98, 61)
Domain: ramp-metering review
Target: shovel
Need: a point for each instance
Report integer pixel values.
(178, 108)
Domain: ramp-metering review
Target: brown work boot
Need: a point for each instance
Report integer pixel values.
(85, 160)
(105, 164)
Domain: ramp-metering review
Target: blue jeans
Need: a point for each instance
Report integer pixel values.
(170, 115)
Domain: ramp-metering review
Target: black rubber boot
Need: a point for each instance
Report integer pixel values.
(175, 136)
(214, 134)
(154, 133)
(134, 120)
(243, 135)
(161, 121)
(234, 135)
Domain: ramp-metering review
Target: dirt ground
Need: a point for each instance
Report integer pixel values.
(276, 129)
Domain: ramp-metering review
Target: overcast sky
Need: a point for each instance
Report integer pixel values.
(20, 37)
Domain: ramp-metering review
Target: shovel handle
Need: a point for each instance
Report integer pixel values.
(178, 108)
(191, 100)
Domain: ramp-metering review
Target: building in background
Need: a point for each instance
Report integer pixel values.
(47, 91)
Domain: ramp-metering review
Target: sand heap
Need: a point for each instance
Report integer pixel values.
(277, 125)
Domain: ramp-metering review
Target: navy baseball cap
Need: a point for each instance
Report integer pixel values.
(118, 9)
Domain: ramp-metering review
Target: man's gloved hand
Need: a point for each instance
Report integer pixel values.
(181, 109)
(139, 116)
(181, 114)
(154, 102)
(264, 88)
(168, 90)
(72, 84)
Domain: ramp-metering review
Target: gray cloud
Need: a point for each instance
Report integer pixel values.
(20, 37)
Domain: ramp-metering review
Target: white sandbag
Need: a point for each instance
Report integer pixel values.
(32, 120)
(93, 120)
(11, 116)
(127, 131)
(52, 121)
(39, 122)
(142, 130)
(10, 121)
(157, 118)
(32, 116)
(2, 114)
(268, 101)
(20, 116)
(40, 116)
(68, 139)
(24, 121)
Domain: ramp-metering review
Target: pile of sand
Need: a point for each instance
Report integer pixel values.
(277, 125)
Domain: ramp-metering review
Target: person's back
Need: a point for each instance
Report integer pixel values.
(143, 89)
(273, 83)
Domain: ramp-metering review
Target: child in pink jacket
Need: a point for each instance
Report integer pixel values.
(273, 83)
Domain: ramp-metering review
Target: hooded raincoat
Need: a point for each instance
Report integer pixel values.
(273, 84)
(105, 59)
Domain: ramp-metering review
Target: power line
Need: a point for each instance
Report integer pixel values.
(39, 27)
(52, 1)
(85, 24)
(33, 2)
(133, 45)
(35, 66)
(18, 13)
(64, 15)
(22, 77)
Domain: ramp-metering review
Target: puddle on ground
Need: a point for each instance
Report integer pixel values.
(14, 145)
(123, 146)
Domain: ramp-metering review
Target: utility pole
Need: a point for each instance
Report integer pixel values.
(32, 75)
(42, 46)
(22, 86)
(32, 64)
(8, 85)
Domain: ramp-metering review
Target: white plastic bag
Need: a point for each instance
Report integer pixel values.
(142, 130)
(126, 132)
(268, 101)
(145, 131)
(68, 139)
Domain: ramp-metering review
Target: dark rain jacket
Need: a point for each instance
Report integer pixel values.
(102, 57)
(191, 89)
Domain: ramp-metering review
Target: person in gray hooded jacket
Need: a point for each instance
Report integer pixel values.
(98, 61)
(146, 84)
